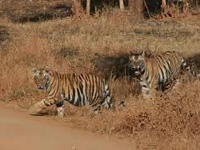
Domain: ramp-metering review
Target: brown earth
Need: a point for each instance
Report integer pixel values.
(21, 131)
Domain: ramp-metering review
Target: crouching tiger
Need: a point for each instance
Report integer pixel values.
(79, 90)
(157, 72)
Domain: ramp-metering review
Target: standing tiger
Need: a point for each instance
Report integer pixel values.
(79, 90)
(156, 72)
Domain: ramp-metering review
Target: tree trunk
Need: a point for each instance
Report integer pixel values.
(121, 5)
(136, 7)
(163, 5)
(77, 7)
(88, 6)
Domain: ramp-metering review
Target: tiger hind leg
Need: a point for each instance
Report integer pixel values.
(96, 108)
(174, 83)
(107, 100)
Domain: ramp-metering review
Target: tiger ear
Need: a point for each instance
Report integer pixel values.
(143, 53)
(131, 55)
(34, 69)
(47, 69)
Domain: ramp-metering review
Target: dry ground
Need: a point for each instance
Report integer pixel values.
(171, 121)
(22, 131)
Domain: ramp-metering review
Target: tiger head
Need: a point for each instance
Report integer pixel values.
(137, 63)
(42, 77)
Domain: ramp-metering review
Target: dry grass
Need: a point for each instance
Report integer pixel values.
(171, 121)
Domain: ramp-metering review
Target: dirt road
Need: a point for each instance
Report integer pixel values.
(20, 131)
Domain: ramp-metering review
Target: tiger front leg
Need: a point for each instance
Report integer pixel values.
(153, 89)
(61, 108)
(96, 107)
(39, 107)
(145, 90)
(60, 112)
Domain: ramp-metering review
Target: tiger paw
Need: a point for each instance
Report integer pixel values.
(34, 110)
(37, 109)
(60, 112)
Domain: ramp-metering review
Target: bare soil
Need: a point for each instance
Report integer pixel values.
(21, 131)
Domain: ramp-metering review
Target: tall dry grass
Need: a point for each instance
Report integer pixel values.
(171, 121)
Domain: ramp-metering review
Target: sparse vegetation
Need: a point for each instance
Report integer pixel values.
(172, 121)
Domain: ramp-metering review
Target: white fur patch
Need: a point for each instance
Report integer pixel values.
(60, 112)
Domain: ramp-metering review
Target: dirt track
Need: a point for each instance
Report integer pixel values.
(20, 131)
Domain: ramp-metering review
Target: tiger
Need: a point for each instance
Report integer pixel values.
(79, 90)
(156, 72)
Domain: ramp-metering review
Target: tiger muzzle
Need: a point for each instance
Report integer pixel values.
(41, 88)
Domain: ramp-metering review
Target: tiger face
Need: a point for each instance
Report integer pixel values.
(42, 78)
(137, 63)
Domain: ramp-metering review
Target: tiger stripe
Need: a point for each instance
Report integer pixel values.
(157, 72)
(79, 90)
